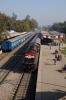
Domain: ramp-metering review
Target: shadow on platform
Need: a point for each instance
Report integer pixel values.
(55, 95)
(60, 71)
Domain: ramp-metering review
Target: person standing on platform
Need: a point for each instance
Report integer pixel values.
(56, 56)
(50, 46)
(54, 61)
(60, 57)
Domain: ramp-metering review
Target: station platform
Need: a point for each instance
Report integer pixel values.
(51, 82)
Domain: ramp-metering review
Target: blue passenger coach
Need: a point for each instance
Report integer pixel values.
(10, 44)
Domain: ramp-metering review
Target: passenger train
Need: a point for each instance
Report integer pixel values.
(31, 55)
(14, 34)
(10, 44)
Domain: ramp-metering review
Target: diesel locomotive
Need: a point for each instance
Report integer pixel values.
(31, 55)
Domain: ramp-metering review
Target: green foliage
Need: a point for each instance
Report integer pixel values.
(8, 23)
(61, 27)
(56, 26)
(27, 17)
(14, 16)
(3, 26)
(25, 26)
(32, 22)
(64, 40)
(21, 26)
(64, 51)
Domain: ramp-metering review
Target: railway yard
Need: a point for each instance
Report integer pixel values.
(46, 83)
(14, 83)
(32, 50)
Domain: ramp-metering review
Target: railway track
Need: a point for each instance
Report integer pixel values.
(12, 78)
(27, 86)
(22, 87)
(4, 70)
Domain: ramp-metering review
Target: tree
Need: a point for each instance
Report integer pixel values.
(3, 19)
(21, 26)
(61, 27)
(25, 26)
(14, 16)
(27, 17)
(56, 27)
(32, 22)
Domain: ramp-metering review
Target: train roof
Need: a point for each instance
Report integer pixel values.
(34, 39)
(38, 41)
(16, 38)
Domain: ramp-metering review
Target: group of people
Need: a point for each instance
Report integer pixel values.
(58, 57)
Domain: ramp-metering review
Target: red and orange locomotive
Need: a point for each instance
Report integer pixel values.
(31, 55)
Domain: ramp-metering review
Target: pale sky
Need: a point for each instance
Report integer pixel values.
(45, 12)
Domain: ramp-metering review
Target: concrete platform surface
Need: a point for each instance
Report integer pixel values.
(51, 82)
